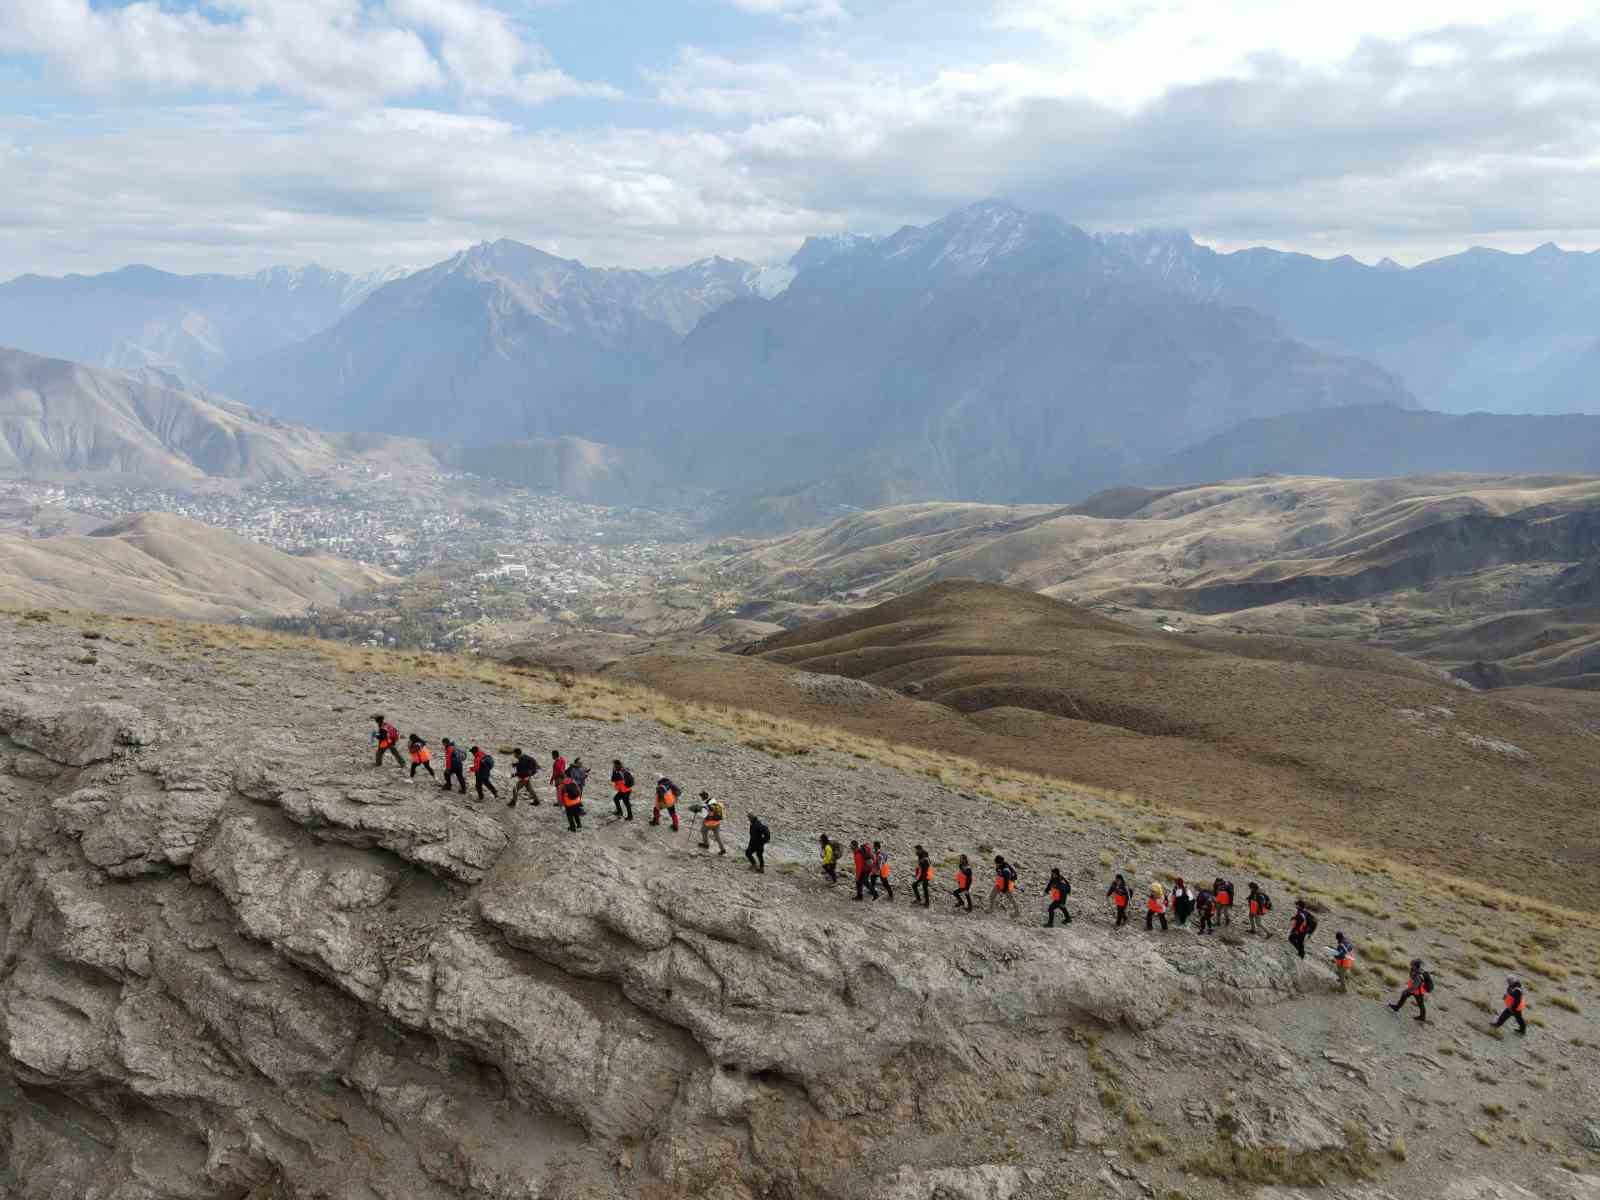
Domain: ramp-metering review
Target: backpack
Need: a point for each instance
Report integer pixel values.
(1266, 902)
(390, 733)
(1427, 984)
(627, 778)
(760, 834)
(1311, 922)
(487, 764)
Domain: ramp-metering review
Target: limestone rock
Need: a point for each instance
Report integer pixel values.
(76, 735)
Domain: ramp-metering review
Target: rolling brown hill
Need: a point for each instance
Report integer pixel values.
(156, 564)
(1417, 563)
(1347, 743)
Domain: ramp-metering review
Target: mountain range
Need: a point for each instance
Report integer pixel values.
(996, 354)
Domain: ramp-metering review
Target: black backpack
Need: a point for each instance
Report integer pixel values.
(1311, 922)
(627, 779)
(1266, 902)
(487, 764)
(1427, 984)
(760, 834)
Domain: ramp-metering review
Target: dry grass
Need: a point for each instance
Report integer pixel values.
(1230, 1162)
(1566, 1002)
(606, 700)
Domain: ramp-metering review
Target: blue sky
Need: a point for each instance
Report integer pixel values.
(235, 134)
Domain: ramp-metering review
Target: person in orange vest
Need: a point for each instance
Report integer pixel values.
(667, 794)
(386, 736)
(1058, 889)
(523, 768)
(861, 860)
(880, 868)
(1301, 926)
(454, 765)
(1120, 898)
(482, 772)
(572, 804)
(622, 788)
(1516, 1003)
(1222, 889)
(1005, 887)
(710, 822)
(1155, 909)
(921, 877)
(964, 884)
(420, 757)
(1419, 986)
(1344, 959)
(1260, 904)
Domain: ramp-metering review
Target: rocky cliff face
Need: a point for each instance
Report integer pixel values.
(236, 961)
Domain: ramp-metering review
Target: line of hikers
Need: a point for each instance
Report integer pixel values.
(1209, 907)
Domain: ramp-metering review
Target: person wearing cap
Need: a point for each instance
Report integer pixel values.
(1516, 1003)
(711, 823)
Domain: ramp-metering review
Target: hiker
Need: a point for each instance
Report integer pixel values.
(865, 880)
(1205, 911)
(1301, 926)
(420, 757)
(1344, 959)
(1259, 904)
(1182, 901)
(1155, 908)
(386, 735)
(711, 822)
(482, 770)
(830, 860)
(1222, 890)
(1420, 986)
(667, 794)
(578, 773)
(558, 772)
(1516, 1003)
(921, 877)
(755, 852)
(1058, 889)
(1118, 891)
(453, 765)
(622, 788)
(880, 868)
(1005, 886)
(571, 796)
(523, 769)
(963, 892)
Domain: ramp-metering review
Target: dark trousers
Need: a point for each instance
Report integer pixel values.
(1203, 922)
(389, 749)
(755, 855)
(428, 767)
(1512, 1014)
(574, 817)
(919, 891)
(963, 898)
(1057, 906)
(481, 781)
(1122, 914)
(1298, 941)
(867, 881)
(623, 800)
(831, 872)
(459, 776)
(1151, 917)
(1181, 911)
(1422, 1007)
(888, 889)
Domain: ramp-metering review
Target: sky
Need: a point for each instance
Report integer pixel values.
(230, 135)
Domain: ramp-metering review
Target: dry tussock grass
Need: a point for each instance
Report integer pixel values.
(1134, 817)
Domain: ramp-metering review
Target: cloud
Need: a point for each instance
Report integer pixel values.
(329, 52)
(794, 10)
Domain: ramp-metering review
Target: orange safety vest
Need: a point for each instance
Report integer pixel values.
(883, 869)
(1055, 894)
(421, 755)
(1255, 907)
(570, 797)
(1002, 884)
(1155, 905)
(667, 799)
(620, 784)
(963, 879)
(712, 820)
(924, 873)
(1225, 898)
(1120, 899)
(1347, 963)
(1519, 1004)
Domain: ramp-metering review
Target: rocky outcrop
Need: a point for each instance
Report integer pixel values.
(76, 735)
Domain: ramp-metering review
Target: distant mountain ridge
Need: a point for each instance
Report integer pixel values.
(1480, 330)
(191, 326)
